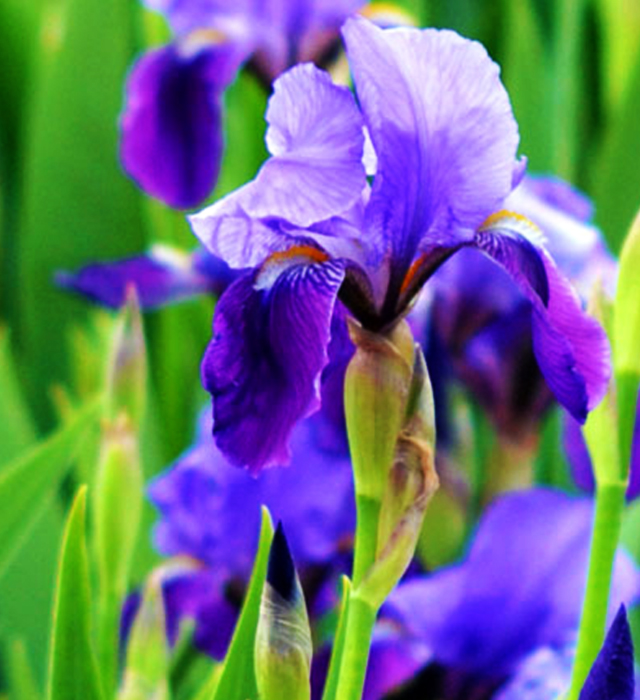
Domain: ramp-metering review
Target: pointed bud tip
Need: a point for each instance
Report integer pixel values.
(281, 573)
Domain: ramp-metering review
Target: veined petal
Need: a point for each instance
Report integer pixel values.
(164, 276)
(171, 125)
(571, 348)
(443, 131)
(316, 172)
(270, 336)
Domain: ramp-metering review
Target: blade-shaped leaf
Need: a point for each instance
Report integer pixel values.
(77, 203)
(27, 482)
(73, 670)
(16, 429)
(238, 680)
(617, 178)
(22, 684)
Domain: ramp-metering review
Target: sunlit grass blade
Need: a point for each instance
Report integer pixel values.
(27, 483)
(238, 680)
(73, 670)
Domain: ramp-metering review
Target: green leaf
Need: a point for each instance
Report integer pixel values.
(27, 483)
(22, 684)
(16, 430)
(617, 176)
(77, 205)
(238, 680)
(527, 76)
(73, 670)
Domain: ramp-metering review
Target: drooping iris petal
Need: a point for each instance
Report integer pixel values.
(580, 461)
(163, 277)
(611, 677)
(270, 335)
(316, 140)
(562, 213)
(171, 125)
(571, 347)
(443, 131)
(519, 588)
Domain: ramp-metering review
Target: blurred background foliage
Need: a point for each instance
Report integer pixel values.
(572, 68)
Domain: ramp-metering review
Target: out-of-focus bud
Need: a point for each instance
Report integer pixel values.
(377, 386)
(148, 654)
(127, 367)
(411, 482)
(283, 638)
(118, 505)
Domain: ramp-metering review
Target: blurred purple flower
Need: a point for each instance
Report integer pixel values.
(313, 231)
(517, 593)
(481, 321)
(171, 126)
(210, 512)
(580, 460)
(163, 276)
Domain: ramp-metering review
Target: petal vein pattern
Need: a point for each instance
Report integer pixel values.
(269, 347)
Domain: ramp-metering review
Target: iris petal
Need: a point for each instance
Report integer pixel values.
(443, 131)
(171, 125)
(571, 348)
(270, 336)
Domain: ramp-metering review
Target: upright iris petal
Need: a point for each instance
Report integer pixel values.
(171, 126)
(443, 131)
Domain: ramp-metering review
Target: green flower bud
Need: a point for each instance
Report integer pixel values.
(283, 639)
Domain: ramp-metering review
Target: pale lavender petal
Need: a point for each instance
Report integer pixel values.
(172, 121)
(443, 131)
(163, 277)
(571, 348)
(519, 589)
(270, 335)
(316, 140)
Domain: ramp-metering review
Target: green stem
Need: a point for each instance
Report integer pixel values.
(604, 542)
(360, 622)
(367, 514)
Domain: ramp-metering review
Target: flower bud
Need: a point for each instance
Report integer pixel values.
(283, 638)
(411, 482)
(377, 387)
(127, 367)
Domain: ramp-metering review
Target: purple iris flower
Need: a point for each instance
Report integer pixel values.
(443, 143)
(163, 276)
(511, 609)
(211, 514)
(171, 126)
(580, 460)
(481, 322)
